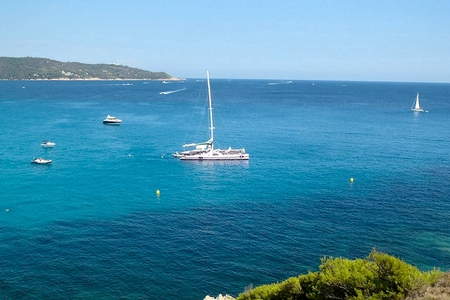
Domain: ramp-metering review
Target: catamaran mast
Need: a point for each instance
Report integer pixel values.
(211, 121)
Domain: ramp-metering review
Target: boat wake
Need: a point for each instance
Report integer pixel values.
(171, 92)
(120, 84)
(277, 83)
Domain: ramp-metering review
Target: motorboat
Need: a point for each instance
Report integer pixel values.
(110, 120)
(48, 144)
(41, 161)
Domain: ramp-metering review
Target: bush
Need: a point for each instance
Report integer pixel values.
(396, 279)
(288, 289)
(378, 277)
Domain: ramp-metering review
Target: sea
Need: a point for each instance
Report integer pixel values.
(91, 226)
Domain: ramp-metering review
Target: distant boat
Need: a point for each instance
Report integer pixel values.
(110, 120)
(206, 150)
(171, 92)
(48, 144)
(165, 82)
(416, 107)
(282, 82)
(41, 161)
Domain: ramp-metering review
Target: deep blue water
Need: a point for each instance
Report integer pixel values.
(91, 227)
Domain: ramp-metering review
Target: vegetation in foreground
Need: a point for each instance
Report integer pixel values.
(26, 68)
(377, 277)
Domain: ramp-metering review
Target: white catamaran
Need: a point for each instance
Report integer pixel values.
(416, 107)
(206, 150)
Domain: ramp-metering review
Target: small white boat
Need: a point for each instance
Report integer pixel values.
(48, 144)
(416, 107)
(112, 120)
(41, 161)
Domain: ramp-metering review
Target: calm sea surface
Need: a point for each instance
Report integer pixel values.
(91, 227)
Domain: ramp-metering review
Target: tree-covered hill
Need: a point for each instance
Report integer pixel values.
(377, 277)
(21, 68)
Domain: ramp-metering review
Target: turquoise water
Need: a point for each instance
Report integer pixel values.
(91, 227)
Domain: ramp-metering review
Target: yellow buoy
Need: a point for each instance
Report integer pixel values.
(158, 192)
(351, 180)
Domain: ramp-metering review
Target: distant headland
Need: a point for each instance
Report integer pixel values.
(36, 68)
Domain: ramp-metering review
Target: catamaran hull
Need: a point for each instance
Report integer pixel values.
(192, 157)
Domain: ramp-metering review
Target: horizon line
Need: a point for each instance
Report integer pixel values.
(324, 80)
(225, 78)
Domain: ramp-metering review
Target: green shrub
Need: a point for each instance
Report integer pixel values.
(287, 289)
(341, 278)
(378, 277)
(396, 279)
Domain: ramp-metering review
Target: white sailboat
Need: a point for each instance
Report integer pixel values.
(416, 107)
(206, 150)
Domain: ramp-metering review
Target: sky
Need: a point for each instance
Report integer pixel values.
(375, 40)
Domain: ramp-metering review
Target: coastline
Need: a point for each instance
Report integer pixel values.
(96, 79)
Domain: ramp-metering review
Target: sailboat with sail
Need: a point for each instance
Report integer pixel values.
(206, 150)
(416, 107)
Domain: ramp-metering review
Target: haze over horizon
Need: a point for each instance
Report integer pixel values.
(320, 40)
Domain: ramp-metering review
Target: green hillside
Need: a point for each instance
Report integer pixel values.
(377, 277)
(22, 68)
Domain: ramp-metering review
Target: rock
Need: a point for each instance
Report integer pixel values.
(438, 291)
(220, 297)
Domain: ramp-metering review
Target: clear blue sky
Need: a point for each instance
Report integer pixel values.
(400, 40)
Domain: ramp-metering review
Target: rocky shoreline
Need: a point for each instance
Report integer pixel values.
(220, 297)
